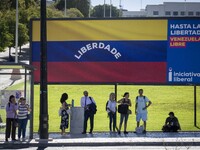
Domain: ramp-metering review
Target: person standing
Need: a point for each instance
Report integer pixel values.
(85, 102)
(124, 116)
(11, 118)
(23, 110)
(141, 108)
(64, 124)
(111, 109)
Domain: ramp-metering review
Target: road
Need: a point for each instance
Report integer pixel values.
(118, 148)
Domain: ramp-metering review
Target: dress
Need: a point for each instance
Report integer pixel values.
(64, 119)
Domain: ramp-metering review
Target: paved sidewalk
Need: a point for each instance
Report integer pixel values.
(107, 139)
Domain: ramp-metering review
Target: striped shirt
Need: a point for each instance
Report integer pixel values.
(22, 111)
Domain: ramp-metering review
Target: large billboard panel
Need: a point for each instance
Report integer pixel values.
(139, 51)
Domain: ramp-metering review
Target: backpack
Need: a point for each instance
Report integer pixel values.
(138, 96)
(107, 105)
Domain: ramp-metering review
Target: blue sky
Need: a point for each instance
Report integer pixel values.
(135, 5)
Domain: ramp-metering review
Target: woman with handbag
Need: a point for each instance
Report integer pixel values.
(23, 109)
(123, 109)
(11, 118)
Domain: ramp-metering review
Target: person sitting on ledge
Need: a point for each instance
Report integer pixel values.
(171, 124)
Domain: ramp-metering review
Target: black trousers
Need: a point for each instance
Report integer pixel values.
(88, 115)
(170, 128)
(10, 125)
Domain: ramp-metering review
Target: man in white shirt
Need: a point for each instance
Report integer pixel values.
(141, 108)
(85, 102)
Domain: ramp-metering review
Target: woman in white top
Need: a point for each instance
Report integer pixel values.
(111, 109)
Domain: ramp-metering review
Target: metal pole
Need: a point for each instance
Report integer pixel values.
(31, 103)
(110, 8)
(16, 33)
(104, 9)
(120, 7)
(25, 82)
(195, 106)
(116, 101)
(116, 91)
(89, 8)
(65, 8)
(43, 74)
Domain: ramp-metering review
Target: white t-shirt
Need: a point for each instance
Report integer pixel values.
(141, 103)
(111, 106)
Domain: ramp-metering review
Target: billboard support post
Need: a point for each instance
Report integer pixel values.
(115, 91)
(43, 75)
(195, 105)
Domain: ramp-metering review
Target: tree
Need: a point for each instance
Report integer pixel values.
(5, 5)
(81, 5)
(54, 13)
(74, 13)
(98, 11)
(23, 35)
(5, 36)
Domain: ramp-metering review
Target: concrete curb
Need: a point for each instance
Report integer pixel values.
(124, 141)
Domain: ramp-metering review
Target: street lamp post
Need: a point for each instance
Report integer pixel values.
(104, 9)
(65, 8)
(16, 33)
(89, 8)
(110, 8)
(120, 7)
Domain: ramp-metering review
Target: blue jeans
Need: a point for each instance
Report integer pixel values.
(22, 127)
(112, 118)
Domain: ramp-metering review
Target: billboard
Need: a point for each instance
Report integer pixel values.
(140, 51)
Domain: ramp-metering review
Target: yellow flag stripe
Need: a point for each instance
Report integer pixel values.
(84, 30)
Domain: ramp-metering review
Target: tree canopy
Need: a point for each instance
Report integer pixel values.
(98, 11)
(81, 5)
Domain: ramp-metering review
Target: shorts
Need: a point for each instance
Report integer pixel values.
(142, 116)
(123, 117)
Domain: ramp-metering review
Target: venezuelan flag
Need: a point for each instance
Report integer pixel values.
(103, 51)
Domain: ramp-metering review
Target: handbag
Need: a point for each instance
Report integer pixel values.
(122, 109)
(15, 122)
(28, 116)
(129, 112)
(60, 112)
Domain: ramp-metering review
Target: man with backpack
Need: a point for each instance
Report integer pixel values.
(141, 108)
(89, 106)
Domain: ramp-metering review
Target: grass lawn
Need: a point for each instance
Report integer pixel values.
(179, 99)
